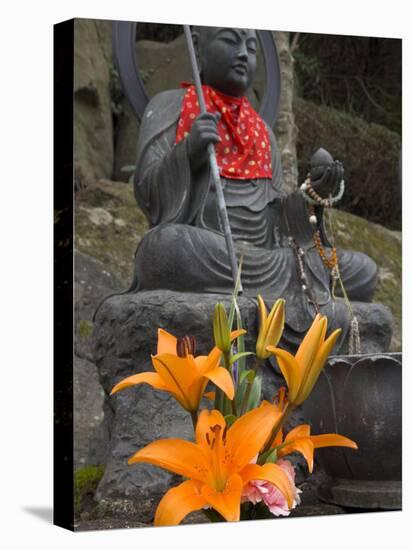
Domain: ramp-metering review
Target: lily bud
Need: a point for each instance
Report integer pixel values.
(221, 330)
(270, 327)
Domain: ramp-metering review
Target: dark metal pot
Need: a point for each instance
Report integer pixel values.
(360, 396)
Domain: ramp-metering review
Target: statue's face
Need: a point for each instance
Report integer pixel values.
(228, 59)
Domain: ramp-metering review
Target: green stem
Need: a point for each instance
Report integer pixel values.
(234, 406)
(226, 361)
(285, 415)
(246, 398)
(219, 400)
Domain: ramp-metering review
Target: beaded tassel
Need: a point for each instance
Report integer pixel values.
(354, 337)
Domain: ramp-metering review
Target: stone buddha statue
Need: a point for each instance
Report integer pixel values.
(183, 257)
(273, 232)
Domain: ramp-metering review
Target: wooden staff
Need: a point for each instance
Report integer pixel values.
(224, 219)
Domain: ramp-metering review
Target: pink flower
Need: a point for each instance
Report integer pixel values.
(258, 491)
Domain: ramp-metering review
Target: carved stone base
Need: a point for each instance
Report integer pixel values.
(367, 495)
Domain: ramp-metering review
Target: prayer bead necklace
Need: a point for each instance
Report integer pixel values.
(307, 290)
(331, 262)
(312, 198)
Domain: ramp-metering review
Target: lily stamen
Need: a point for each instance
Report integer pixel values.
(186, 346)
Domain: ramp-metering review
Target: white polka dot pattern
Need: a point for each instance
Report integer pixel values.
(244, 136)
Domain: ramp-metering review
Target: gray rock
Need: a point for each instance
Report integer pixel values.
(87, 410)
(126, 142)
(92, 102)
(92, 283)
(285, 129)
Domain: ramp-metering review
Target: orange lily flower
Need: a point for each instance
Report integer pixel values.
(184, 377)
(300, 440)
(270, 327)
(302, 370)
(218, 465)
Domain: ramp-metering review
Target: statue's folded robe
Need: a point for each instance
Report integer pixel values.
(185, 249)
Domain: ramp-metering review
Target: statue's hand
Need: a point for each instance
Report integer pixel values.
(203, 132)
(326, 173)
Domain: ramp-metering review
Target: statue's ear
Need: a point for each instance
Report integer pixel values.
(196, 44)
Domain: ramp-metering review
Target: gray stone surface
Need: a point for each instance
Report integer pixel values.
(365, 495)
(92, 283)
(88, 409)
(374, 320)
(92, 102)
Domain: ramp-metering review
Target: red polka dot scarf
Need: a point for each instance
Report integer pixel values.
(244, 151)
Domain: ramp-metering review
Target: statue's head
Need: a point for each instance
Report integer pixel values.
(227, 58)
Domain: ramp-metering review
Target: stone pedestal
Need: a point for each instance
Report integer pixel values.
(125, 334)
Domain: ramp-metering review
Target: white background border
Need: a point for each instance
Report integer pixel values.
(27, 282)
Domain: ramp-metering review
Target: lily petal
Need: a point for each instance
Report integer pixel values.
(272, 473)
(166, 342)
(311, 342)
(176, 455)
(276, 321)
(261, 340)
(223, 380)
(226, 502)
(177, 372)
(236, 333)
(208, 362)
(248, 434)
(290, 370)
(151, 378)
(303, 430)
(177, 503)
(195, 392)
(302, 445)
(205, 421)
(263, 314)
(317, 366)
(332, 440)
(211, 395)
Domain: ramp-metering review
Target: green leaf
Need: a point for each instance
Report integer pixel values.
(255, 394)
(219, 400)
(270, 456)
(248, 375)
(226, 406)
(236, 357)
(230, 418)
(240, 393)
(221, 330)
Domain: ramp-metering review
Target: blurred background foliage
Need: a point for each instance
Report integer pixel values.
(358, 74)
